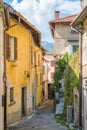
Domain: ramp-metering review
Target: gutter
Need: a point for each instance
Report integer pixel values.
(5, 86)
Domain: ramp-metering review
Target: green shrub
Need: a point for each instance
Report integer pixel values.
(61, 119)
(60, 67)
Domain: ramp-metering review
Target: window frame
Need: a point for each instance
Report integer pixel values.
(11, 45)
(11, 95)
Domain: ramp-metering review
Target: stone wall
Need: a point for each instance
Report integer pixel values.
(63, 37)
(84, 76)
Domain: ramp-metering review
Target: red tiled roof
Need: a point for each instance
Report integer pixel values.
(65, 19)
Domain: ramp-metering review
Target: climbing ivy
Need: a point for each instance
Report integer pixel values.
(71, 78)
(67, 68)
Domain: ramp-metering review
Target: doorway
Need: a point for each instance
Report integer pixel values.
(24, 101)
(50, 91)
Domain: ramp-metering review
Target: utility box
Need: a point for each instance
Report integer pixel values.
(69, 114)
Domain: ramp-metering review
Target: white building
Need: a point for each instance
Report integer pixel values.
(49, 65)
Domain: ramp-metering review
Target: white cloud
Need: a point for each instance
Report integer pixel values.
(40, 13)
(70, 7)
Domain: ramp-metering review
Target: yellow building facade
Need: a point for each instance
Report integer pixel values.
(39, 93)
(23, 51)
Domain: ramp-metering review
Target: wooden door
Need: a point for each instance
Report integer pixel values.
(24, 100)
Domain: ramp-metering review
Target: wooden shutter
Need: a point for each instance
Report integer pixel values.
(15, 48)
(7, 47)
(38, 60)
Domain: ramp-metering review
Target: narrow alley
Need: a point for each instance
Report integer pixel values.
(42, 119)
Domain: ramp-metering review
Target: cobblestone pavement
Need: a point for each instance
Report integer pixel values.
(42, 119)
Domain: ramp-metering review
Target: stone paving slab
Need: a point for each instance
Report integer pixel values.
(43, 119)
(59, 109)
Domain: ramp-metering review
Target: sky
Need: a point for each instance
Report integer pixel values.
(40, 12)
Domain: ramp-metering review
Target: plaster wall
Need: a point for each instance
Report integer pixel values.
(1, 71)
(63, 36)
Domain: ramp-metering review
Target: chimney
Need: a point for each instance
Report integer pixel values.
(57, 13)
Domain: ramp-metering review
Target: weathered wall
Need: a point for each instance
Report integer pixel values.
(16, 73)
(62, 38)
(50, 67)
(39, 95)
(45, 78)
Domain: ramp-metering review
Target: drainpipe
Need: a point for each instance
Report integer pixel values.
(80, 85)
(4, 73)
(5, 86)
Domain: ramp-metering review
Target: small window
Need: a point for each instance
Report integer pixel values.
(31, 55)
(40, 78)
(11, 94)
(43, 69)
(75, 48)
(38, 60)
(35, 60)
(36, 79)
(11, 48)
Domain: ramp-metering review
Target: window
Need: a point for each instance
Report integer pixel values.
(36, 79)
(43, 69)
(11, 48)
(11, 94)
(38, 60)
(35, 58)
(40, 78)
(75, 48)
(32, 55)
